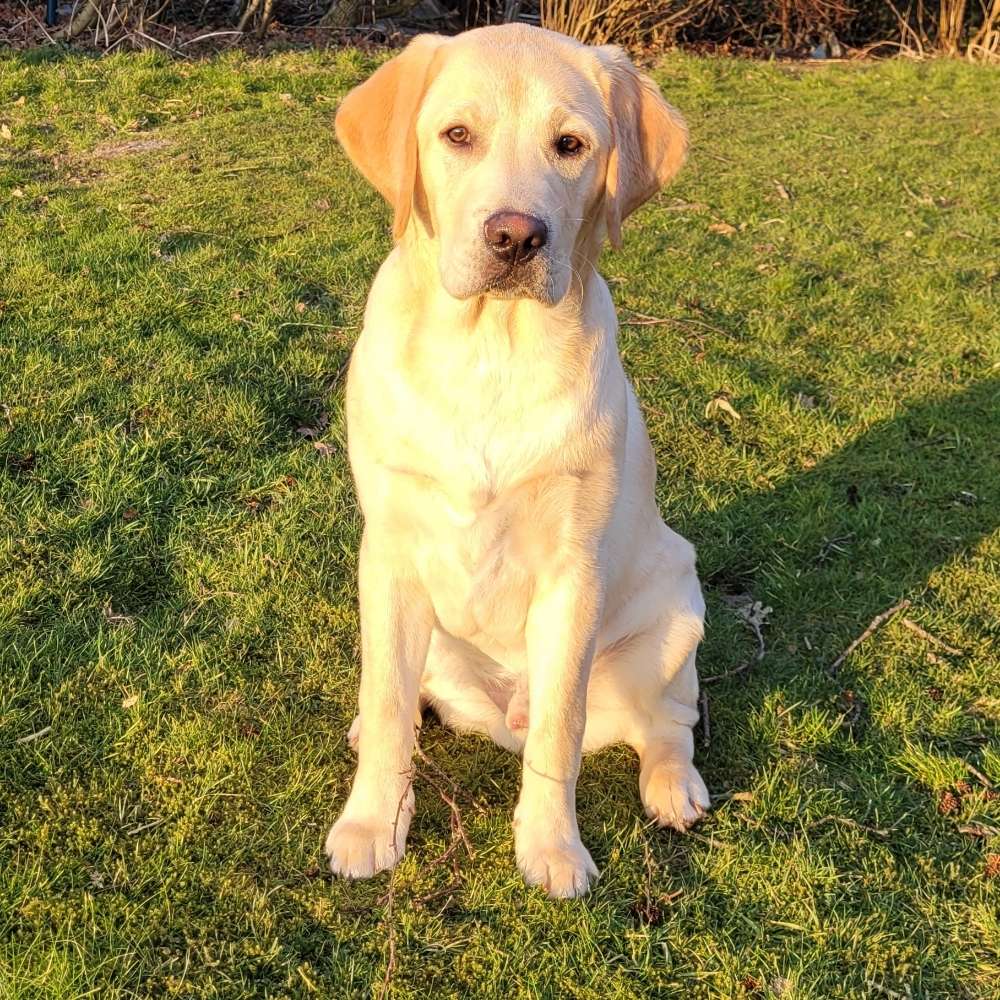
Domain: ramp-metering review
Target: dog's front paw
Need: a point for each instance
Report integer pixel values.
(360, 846)
(674, 794)
(563, 870)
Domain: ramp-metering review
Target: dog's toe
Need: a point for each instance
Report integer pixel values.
(674, 795)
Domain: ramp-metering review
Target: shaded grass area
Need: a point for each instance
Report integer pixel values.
(185, 257)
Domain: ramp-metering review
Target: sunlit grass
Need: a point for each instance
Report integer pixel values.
(185, 257)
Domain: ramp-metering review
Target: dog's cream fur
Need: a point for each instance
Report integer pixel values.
(515, 574)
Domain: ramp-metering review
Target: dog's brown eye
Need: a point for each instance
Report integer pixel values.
(459, 135)
(569, 145)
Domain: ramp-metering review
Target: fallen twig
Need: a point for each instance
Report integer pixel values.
(979, 830)
(920, 199)
(877, 622)
(390, 900)
(644, 319)
(38, 22)
(145, 826)
(853, 823)
(754, 614)
(458, 828)
(737, 796)
(932, 639)
(706, 722)
(449, 890)
(650, 909)
(980, 777)
(741, 669)
(202, 38)
(457, 789)
(31, 737)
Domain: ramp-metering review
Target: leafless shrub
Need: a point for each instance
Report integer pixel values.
(969, 28)
(623, 22)
(953, 28)
(984, 45)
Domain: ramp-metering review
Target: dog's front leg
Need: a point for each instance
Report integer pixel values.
(560, 631)
(396, 622)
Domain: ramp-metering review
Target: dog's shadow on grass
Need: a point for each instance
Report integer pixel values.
(834, 545)
(829, 547)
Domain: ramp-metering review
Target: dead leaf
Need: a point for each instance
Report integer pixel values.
(5, 132)
(979, 830)
(300, 307)
(323, 449)
(17, 193)
(754, 613)
(116, 618)
(720, 406)
(783, 191)
(314, 432)
(20, 102)
(722, 228)
(806, 402)
(131, 701)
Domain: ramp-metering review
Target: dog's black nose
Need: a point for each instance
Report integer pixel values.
(514, 237)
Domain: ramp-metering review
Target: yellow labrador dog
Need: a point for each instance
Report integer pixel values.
(515, 574)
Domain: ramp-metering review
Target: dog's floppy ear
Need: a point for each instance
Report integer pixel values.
(376, 124)
(649, 138)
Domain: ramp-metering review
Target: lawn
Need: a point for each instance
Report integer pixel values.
(185, 257)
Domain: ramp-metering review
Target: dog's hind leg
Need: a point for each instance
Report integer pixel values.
(672, 791)
(644, 692)
(461, 685)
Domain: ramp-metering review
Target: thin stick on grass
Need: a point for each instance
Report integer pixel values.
(706, 722)
(927, 637)
(853, 823)
(983, 780)
(31, 737)
(449, 800)
(741, 669)
(390, 900)
(876, 623)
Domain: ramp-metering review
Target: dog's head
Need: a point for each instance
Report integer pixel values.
(510, 148)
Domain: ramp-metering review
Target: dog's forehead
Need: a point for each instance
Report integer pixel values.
(513, 73)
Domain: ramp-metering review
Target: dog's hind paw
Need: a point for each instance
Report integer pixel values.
(674, 794)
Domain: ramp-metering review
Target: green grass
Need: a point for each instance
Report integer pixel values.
(185, 257)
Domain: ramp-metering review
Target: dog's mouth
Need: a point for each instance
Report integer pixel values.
(517, 281)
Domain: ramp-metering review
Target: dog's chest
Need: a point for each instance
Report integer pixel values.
(480, 438)
(478, 557)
